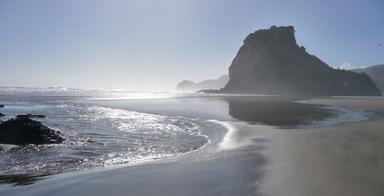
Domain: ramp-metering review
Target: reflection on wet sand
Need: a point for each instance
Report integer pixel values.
(275, 110)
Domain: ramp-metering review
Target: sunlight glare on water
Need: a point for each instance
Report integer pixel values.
(99, 136)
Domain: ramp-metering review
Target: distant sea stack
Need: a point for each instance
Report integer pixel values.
(376, 72)
(212, 84)
(271, 62)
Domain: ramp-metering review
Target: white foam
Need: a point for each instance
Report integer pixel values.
(241, 134)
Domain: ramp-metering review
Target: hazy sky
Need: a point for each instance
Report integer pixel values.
(142, 44)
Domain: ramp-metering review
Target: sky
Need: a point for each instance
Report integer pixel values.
(152, 45)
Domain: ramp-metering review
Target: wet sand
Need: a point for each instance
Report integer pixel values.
(346, 159)
(227, 176)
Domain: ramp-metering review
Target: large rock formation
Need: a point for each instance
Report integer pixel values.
(271, 62)
(215, 84)
(376, 72)
(21, 131)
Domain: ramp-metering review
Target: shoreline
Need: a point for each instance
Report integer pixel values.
(264, 160)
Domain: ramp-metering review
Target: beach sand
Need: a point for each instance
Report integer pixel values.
(346, 159)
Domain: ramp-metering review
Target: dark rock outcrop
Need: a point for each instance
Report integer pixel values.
(1, 105)
(376, 72)
(271, 62)
(1, 114)
(22, 131)
(215, 84)
(30, 116)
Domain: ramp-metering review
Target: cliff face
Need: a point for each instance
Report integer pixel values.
(271, 62)
(215, 84)
(376, 72)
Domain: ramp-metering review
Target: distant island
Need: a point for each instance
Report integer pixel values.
(376, 72)
(271, 62)
(212, 84)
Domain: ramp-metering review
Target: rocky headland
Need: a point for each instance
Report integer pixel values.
(271, 62)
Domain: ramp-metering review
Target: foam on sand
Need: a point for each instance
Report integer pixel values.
(241, 134)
